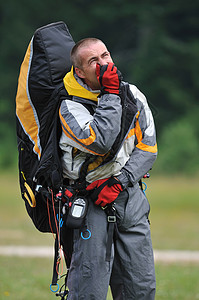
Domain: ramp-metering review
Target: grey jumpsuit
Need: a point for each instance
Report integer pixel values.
(130, 272)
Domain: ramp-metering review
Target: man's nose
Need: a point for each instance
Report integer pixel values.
(103, 61)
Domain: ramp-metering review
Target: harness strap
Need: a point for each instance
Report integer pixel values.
(112, 227)
(56, 257)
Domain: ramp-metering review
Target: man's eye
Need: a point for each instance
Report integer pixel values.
(92, 61)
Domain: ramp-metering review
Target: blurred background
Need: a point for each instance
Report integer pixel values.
(155, 44)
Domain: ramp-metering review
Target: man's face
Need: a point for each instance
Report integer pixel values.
(90, 56)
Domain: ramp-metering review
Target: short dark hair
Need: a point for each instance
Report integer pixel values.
(75, 58)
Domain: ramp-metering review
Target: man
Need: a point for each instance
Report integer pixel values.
(108, 124)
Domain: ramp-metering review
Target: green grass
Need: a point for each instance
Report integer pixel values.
(174, 224)
(177, 282)
(174, 212)
(25, 278)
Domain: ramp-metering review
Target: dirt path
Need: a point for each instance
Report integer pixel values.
(175, 256)
(167, 256)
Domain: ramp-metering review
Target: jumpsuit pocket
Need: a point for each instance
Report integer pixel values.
(120, 206)
(131, 207)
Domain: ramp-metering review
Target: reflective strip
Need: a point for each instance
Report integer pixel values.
(25, 110)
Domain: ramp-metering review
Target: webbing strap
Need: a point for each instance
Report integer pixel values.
(109, 241)
(56, 256)
(111, 218)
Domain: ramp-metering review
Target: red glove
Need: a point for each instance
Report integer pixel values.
(105, 190)
(109, 78)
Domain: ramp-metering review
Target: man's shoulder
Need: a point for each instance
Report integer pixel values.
(137, 93)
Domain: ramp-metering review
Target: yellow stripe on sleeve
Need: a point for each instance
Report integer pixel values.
(131, 133)
(88, 141)
(144, 147)
(138, 131)
(141, 145)
(69, 136)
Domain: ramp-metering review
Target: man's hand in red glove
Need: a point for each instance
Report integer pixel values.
(109, 78)
(105, 191)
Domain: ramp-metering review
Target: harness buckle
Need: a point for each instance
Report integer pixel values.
(111, 219)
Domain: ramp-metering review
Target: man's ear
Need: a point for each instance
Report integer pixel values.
(79, 72)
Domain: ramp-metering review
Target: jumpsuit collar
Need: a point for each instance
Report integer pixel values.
(74, 88)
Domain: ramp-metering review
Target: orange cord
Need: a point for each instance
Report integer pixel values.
(60, 249)
(50, 220)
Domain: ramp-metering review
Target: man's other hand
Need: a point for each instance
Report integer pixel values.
(105, 191)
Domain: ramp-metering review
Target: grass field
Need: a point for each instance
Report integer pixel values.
(174, 223)
(25, 278)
